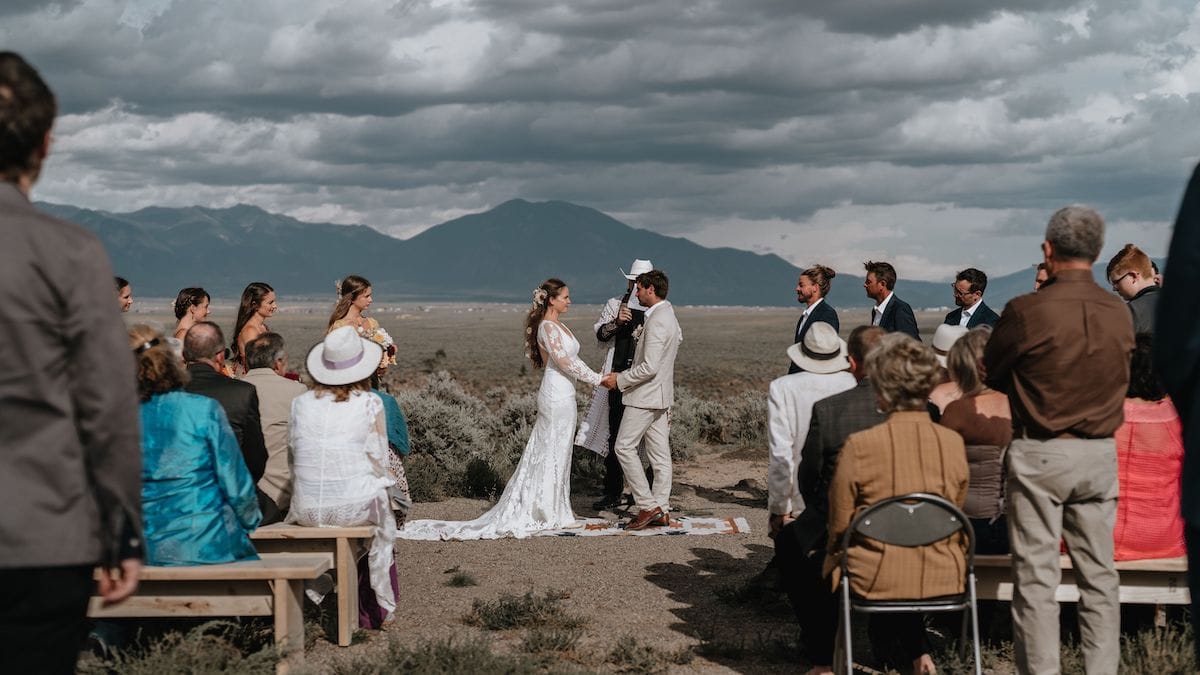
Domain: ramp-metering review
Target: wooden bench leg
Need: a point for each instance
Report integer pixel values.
(347, 591)
(289, 623)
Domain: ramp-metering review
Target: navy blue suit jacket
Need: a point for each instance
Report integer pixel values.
(822, 312)
(898, 318)
(1176, 349)
(983, 316)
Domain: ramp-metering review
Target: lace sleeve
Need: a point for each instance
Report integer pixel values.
(377, 447)
(550, 337)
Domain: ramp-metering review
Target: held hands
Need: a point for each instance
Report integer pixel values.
(609, 381)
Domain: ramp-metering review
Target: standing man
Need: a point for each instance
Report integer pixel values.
(619, 319)
(972, 311)
(1131, 274)
(1040, 276)
(267, 363)
(1177, 360)
(648, 391)
(70, 449)
(1062, 357)
(811, 289)
(890, 312)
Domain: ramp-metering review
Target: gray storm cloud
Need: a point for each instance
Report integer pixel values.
(926, 131)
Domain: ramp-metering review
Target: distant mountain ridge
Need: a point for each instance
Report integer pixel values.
(497, 255)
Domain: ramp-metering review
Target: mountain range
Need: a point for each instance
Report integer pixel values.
(497, 255)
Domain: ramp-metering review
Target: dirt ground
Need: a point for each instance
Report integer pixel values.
(671, 592)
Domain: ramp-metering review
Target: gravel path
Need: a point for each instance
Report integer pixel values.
(669, 592)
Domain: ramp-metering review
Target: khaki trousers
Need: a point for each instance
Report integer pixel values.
(1063, 488)
(636, 424)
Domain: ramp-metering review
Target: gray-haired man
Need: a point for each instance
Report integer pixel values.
(1062, 356)
(267, 361)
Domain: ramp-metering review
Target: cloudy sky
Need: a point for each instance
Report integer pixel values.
(934, 133)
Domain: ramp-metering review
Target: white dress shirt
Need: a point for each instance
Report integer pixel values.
(967, 313)
(879, 310)
(807, 312)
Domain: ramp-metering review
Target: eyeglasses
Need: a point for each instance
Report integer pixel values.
(1117, 282)
(959, 293)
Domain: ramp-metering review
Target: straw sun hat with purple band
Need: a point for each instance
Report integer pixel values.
(343, 358)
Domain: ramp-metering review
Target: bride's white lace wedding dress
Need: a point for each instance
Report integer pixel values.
(538, 496)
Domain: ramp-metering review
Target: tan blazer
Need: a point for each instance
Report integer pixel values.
(907, 453)
(650, 382)
(275, 394)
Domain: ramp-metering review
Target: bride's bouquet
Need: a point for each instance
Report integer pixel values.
(376, 333)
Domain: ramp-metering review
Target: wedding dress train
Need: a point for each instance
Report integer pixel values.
(538, 496)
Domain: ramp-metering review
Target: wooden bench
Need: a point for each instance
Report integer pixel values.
(340, 545)
(1147, 582)
(272, 586)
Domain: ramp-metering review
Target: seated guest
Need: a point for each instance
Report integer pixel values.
(1149, 466)
(800, 545)
(198, 500)
(204, 352)
(947, 389)
(267, 361)
(398, 443)
(191, 307)
(340, 456)
(907, 453)
(983, 418)
(124, 294)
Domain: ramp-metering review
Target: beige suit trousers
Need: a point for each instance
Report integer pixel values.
(652, 425)
(1063, 488)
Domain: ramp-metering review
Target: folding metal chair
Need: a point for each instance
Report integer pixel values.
(912, 520)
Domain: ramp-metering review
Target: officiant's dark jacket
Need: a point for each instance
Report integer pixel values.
(983, 316)
(833, 420)
(898, 317)
(822, 312)
(240, 401)
(70, 445)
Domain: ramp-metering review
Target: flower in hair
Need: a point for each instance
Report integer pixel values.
(337, 287)
(539, 296)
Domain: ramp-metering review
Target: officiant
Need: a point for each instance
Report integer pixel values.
(620, 317)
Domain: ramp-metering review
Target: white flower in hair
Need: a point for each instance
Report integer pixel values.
(539, 296)
(337, 287)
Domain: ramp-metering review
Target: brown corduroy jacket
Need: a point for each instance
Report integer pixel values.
(907, 453)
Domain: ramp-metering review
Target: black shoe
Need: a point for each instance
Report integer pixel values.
(609, 502)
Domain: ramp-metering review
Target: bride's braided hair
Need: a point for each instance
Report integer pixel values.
(548, 289)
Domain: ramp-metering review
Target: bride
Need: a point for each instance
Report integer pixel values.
(538, 495)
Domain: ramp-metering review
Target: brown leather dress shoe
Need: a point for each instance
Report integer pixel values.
(645, 519)
(664, 520)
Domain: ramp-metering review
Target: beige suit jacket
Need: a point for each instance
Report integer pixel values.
(275, 394)
(650, 383)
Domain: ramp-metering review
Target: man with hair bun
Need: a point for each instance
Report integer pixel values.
(812, 289)
(70, 450)
(1132, 275)
(1062, 357)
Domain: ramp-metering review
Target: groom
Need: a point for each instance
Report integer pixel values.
(648, 390)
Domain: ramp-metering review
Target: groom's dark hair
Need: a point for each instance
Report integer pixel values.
(655, 279)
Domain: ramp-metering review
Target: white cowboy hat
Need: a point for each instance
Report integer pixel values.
(821, 351)
(639, 266)
(944, 338)
(343, 357)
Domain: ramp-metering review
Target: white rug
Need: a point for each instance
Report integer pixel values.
(684, 525)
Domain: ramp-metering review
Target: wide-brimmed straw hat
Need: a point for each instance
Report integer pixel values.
(944, 338)
(343, 357)
(821, 351)
(639, 266)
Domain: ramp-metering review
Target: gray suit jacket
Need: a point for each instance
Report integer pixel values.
(650, 382)
(275, 394)
(70, 446)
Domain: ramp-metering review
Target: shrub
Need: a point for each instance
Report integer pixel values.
(522, 611)
(209, 648)
(543, 640)
(443, 657)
